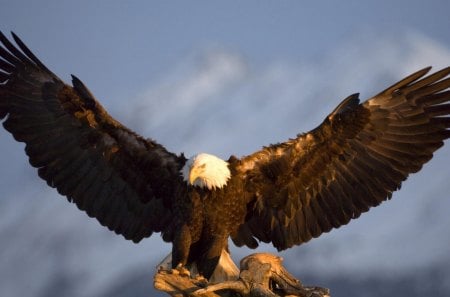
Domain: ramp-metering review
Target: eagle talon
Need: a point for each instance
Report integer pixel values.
(200, 277)
(201, 281)
(181, 270)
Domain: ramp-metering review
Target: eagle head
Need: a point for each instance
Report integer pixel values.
(205, 170)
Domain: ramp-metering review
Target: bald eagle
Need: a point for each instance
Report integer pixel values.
(284, 194)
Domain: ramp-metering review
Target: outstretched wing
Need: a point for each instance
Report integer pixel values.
(116, 176)
(353, 161)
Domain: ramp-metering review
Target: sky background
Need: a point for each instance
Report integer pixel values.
(223, 77)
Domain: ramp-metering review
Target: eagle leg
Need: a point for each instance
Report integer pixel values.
(180, 250)
(209, 260)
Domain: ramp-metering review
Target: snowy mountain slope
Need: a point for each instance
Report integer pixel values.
(216, 102)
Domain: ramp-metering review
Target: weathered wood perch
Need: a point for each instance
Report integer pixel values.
(261, 275)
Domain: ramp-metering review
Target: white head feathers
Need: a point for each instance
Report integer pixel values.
(204, 170)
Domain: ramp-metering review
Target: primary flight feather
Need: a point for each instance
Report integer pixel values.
(285, 194)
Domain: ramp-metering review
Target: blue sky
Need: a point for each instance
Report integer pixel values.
(224, 77)
(143, 39)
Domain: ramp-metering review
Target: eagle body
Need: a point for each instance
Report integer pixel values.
(284, 194)
(205, 220)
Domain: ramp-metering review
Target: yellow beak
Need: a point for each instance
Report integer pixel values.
(193, 175)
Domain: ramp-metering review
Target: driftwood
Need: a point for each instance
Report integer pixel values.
(261, 275)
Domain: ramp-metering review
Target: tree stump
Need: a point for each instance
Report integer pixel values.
(261, 275)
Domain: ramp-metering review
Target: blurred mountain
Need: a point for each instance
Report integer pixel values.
(217, 102)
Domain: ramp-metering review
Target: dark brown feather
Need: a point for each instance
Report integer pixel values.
(116, 176)
(286, 193)
(353, 161)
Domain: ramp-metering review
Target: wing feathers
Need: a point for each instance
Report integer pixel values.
(7, 56)
(407, 80)
(6, 67)
(355, 160)
(27, 52)
(124, 181)
(429, 79)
